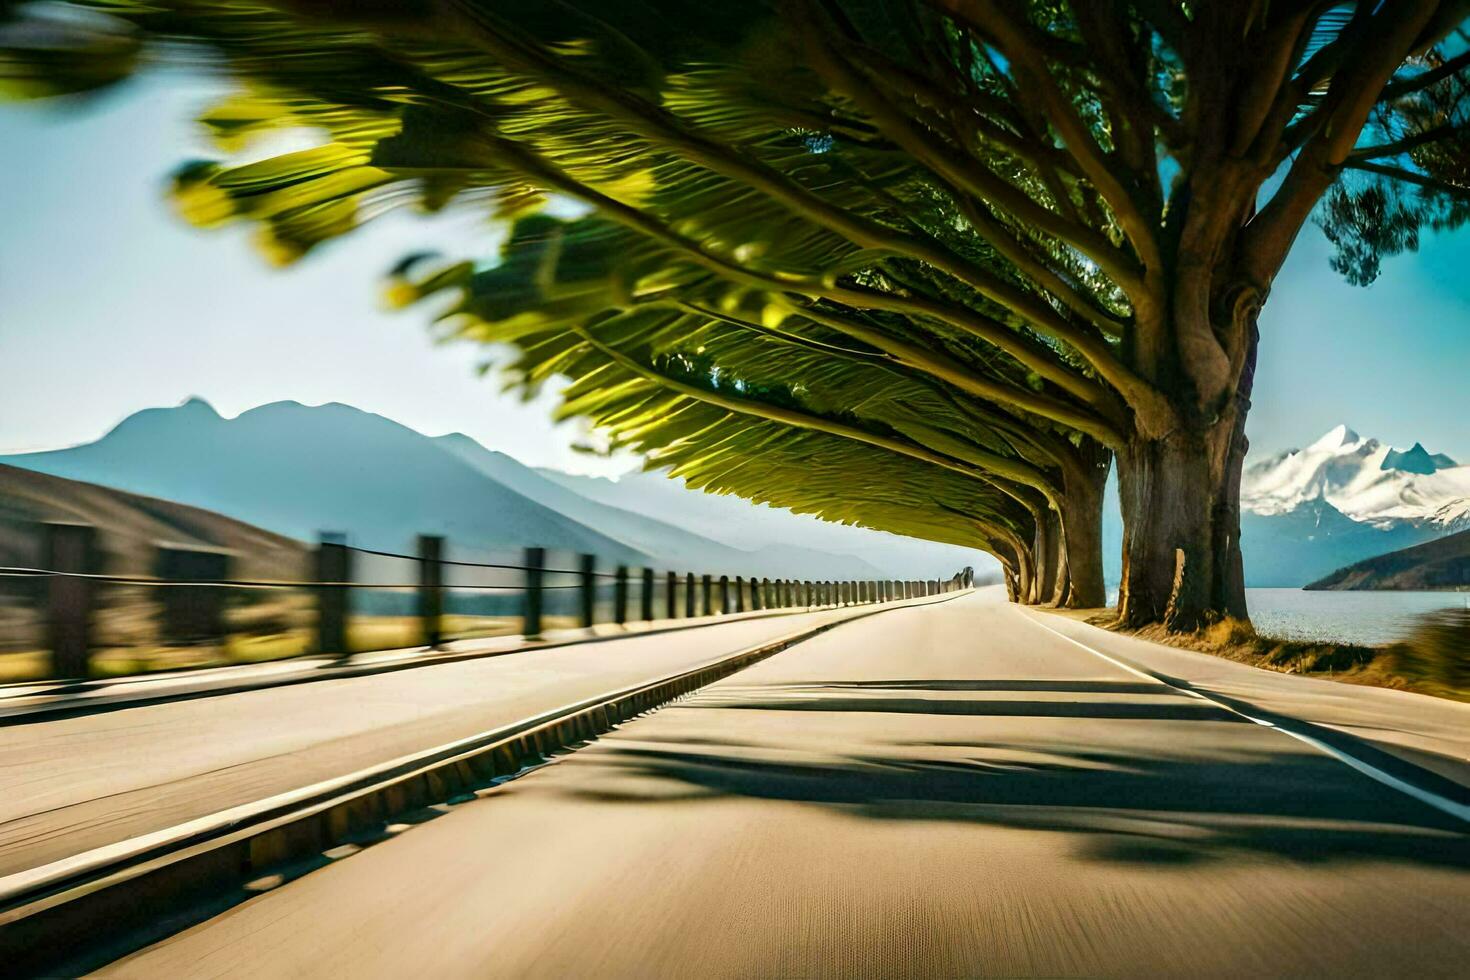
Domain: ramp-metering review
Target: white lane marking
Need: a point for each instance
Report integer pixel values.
(1440, 803)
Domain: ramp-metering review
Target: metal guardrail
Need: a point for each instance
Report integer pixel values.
(195, 590)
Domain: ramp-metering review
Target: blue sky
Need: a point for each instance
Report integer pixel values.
(109, 304)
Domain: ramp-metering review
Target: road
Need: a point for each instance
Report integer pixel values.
(72, 784)
(947, 791)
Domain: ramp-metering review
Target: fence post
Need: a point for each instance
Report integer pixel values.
(724, 595)
(645, 598)
(534, 560)
(688, 595)
(195, 614)
(620, 595)
(70, 548)
(587, 592)
(740, 593)
(333, 564)
(706, 590)
(431, 589)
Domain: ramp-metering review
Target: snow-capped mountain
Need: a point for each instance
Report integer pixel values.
(1368, 481)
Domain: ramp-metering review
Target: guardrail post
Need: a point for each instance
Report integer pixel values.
(534, 561)
(739, 593)
(755, 593)
(620, 595)
(706, 591)
(671, 596)
(70, 548)
(587, 580)
(645, 598)
(724, 595)
(783, 589)
(688, 595)
(431, 589)
(334, 572)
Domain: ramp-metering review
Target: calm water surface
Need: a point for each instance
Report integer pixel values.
(1369, 618)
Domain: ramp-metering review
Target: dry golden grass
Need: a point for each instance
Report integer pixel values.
(1433, 659)
(364, 634)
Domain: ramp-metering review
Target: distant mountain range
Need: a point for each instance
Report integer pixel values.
(1443, 563)
(300, 470)
(1309, 512)
(297, 471)
(1364, 479)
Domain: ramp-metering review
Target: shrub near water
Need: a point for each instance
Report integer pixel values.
(1436, 654)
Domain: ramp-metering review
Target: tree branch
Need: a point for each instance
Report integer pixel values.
(995, 466)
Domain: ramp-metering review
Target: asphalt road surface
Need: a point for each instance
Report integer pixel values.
(939, 792)
(71, 784)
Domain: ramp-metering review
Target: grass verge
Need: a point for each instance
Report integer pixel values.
(1433, 658)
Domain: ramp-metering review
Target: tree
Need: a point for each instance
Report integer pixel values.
(1038, 231)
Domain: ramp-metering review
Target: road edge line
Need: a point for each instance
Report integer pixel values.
(1286, 726)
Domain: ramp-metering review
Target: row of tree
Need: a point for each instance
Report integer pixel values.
(930, 266)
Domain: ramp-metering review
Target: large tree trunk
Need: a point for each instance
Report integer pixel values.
(1024, 572)
(1081, 504)
(1061, 585)
(1044, 558)
(1181, 526)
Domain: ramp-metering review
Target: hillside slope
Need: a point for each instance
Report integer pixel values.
(130, 526)
(1440, 564)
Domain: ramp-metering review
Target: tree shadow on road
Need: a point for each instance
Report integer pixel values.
(1167, 803)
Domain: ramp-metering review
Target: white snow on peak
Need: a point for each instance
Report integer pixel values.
(1338, 437)
(1347, 471)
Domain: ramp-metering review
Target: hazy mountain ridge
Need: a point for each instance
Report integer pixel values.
(787, 537)
(298, 470)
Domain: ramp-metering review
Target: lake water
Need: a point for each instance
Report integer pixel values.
(1369, 618)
